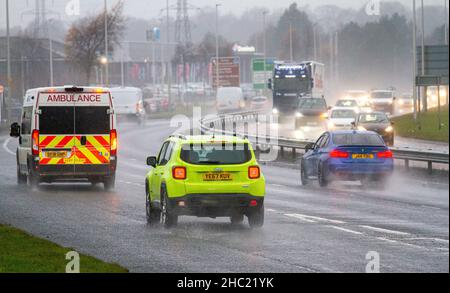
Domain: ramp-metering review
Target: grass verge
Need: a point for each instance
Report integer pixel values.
(22, 253)
(428, 129)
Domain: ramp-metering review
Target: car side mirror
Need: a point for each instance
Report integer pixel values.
(329, 107)
(151, 161)
(309, 147)
(14, 130)
(354, 123)
(269, 84)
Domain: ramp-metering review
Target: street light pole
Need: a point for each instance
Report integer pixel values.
(446, 23)
(51, 56)
(291, 47)
(422, 23)
(217, 46)
(169, 67)
(414, 37)
(264, 46)
(315, 41)
(106, 45)
(8, 51)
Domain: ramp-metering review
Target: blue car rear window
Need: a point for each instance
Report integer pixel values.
(366, 139)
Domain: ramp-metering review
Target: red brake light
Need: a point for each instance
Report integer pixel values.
(179, 173)
(35, 143)
(385, 155)
(113, 144)
(254, 172)
(338, 154)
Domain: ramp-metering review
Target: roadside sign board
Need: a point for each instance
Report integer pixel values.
(229, 72)
(436, 65)
(430, 80)
(261, 74)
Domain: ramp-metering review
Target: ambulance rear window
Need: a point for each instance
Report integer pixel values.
(92, 120)
(56, 120)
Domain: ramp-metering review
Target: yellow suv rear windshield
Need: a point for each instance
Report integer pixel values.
(216, 153)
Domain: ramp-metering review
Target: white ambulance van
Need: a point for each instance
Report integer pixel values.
(67, 134)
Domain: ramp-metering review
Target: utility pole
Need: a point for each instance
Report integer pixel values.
(217, 46)
(106, 46)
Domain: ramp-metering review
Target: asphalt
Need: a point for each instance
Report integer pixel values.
(307, 229)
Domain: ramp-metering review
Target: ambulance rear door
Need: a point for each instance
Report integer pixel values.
(56, 132)
(93, 126)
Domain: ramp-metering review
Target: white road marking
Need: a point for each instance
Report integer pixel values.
(387, 240)
(426, 238)
(430, 207)
(384, 230)
(345, 230)
(313, 218)
(401, 243)
(297, 216)
(271, 210)
(277, 185)
(5, 146)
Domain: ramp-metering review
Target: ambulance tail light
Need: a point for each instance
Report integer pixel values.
(113, 138)
(35, 143)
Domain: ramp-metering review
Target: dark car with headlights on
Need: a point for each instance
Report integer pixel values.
(311, 112)
(377, 122)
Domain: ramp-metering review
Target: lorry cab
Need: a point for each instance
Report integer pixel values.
(67, 134)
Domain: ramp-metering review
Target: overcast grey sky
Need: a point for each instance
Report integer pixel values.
(151, 8)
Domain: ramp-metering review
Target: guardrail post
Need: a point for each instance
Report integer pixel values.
(223, 126)
(281, 151)
(430, 168)
(294, 154)
(407, 165)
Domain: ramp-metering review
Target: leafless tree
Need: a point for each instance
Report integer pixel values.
(85, 40)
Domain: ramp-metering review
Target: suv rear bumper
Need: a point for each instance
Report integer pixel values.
(215, 205)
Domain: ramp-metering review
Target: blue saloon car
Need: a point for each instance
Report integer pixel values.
(347, 155)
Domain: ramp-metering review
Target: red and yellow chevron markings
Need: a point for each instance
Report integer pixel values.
(96, 150)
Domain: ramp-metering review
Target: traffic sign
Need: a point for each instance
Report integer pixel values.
(261, 74)
(229, 72)
(436, 65)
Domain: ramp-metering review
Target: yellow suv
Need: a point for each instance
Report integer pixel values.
(205, 176)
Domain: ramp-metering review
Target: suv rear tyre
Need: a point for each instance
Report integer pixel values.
(256, 217)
